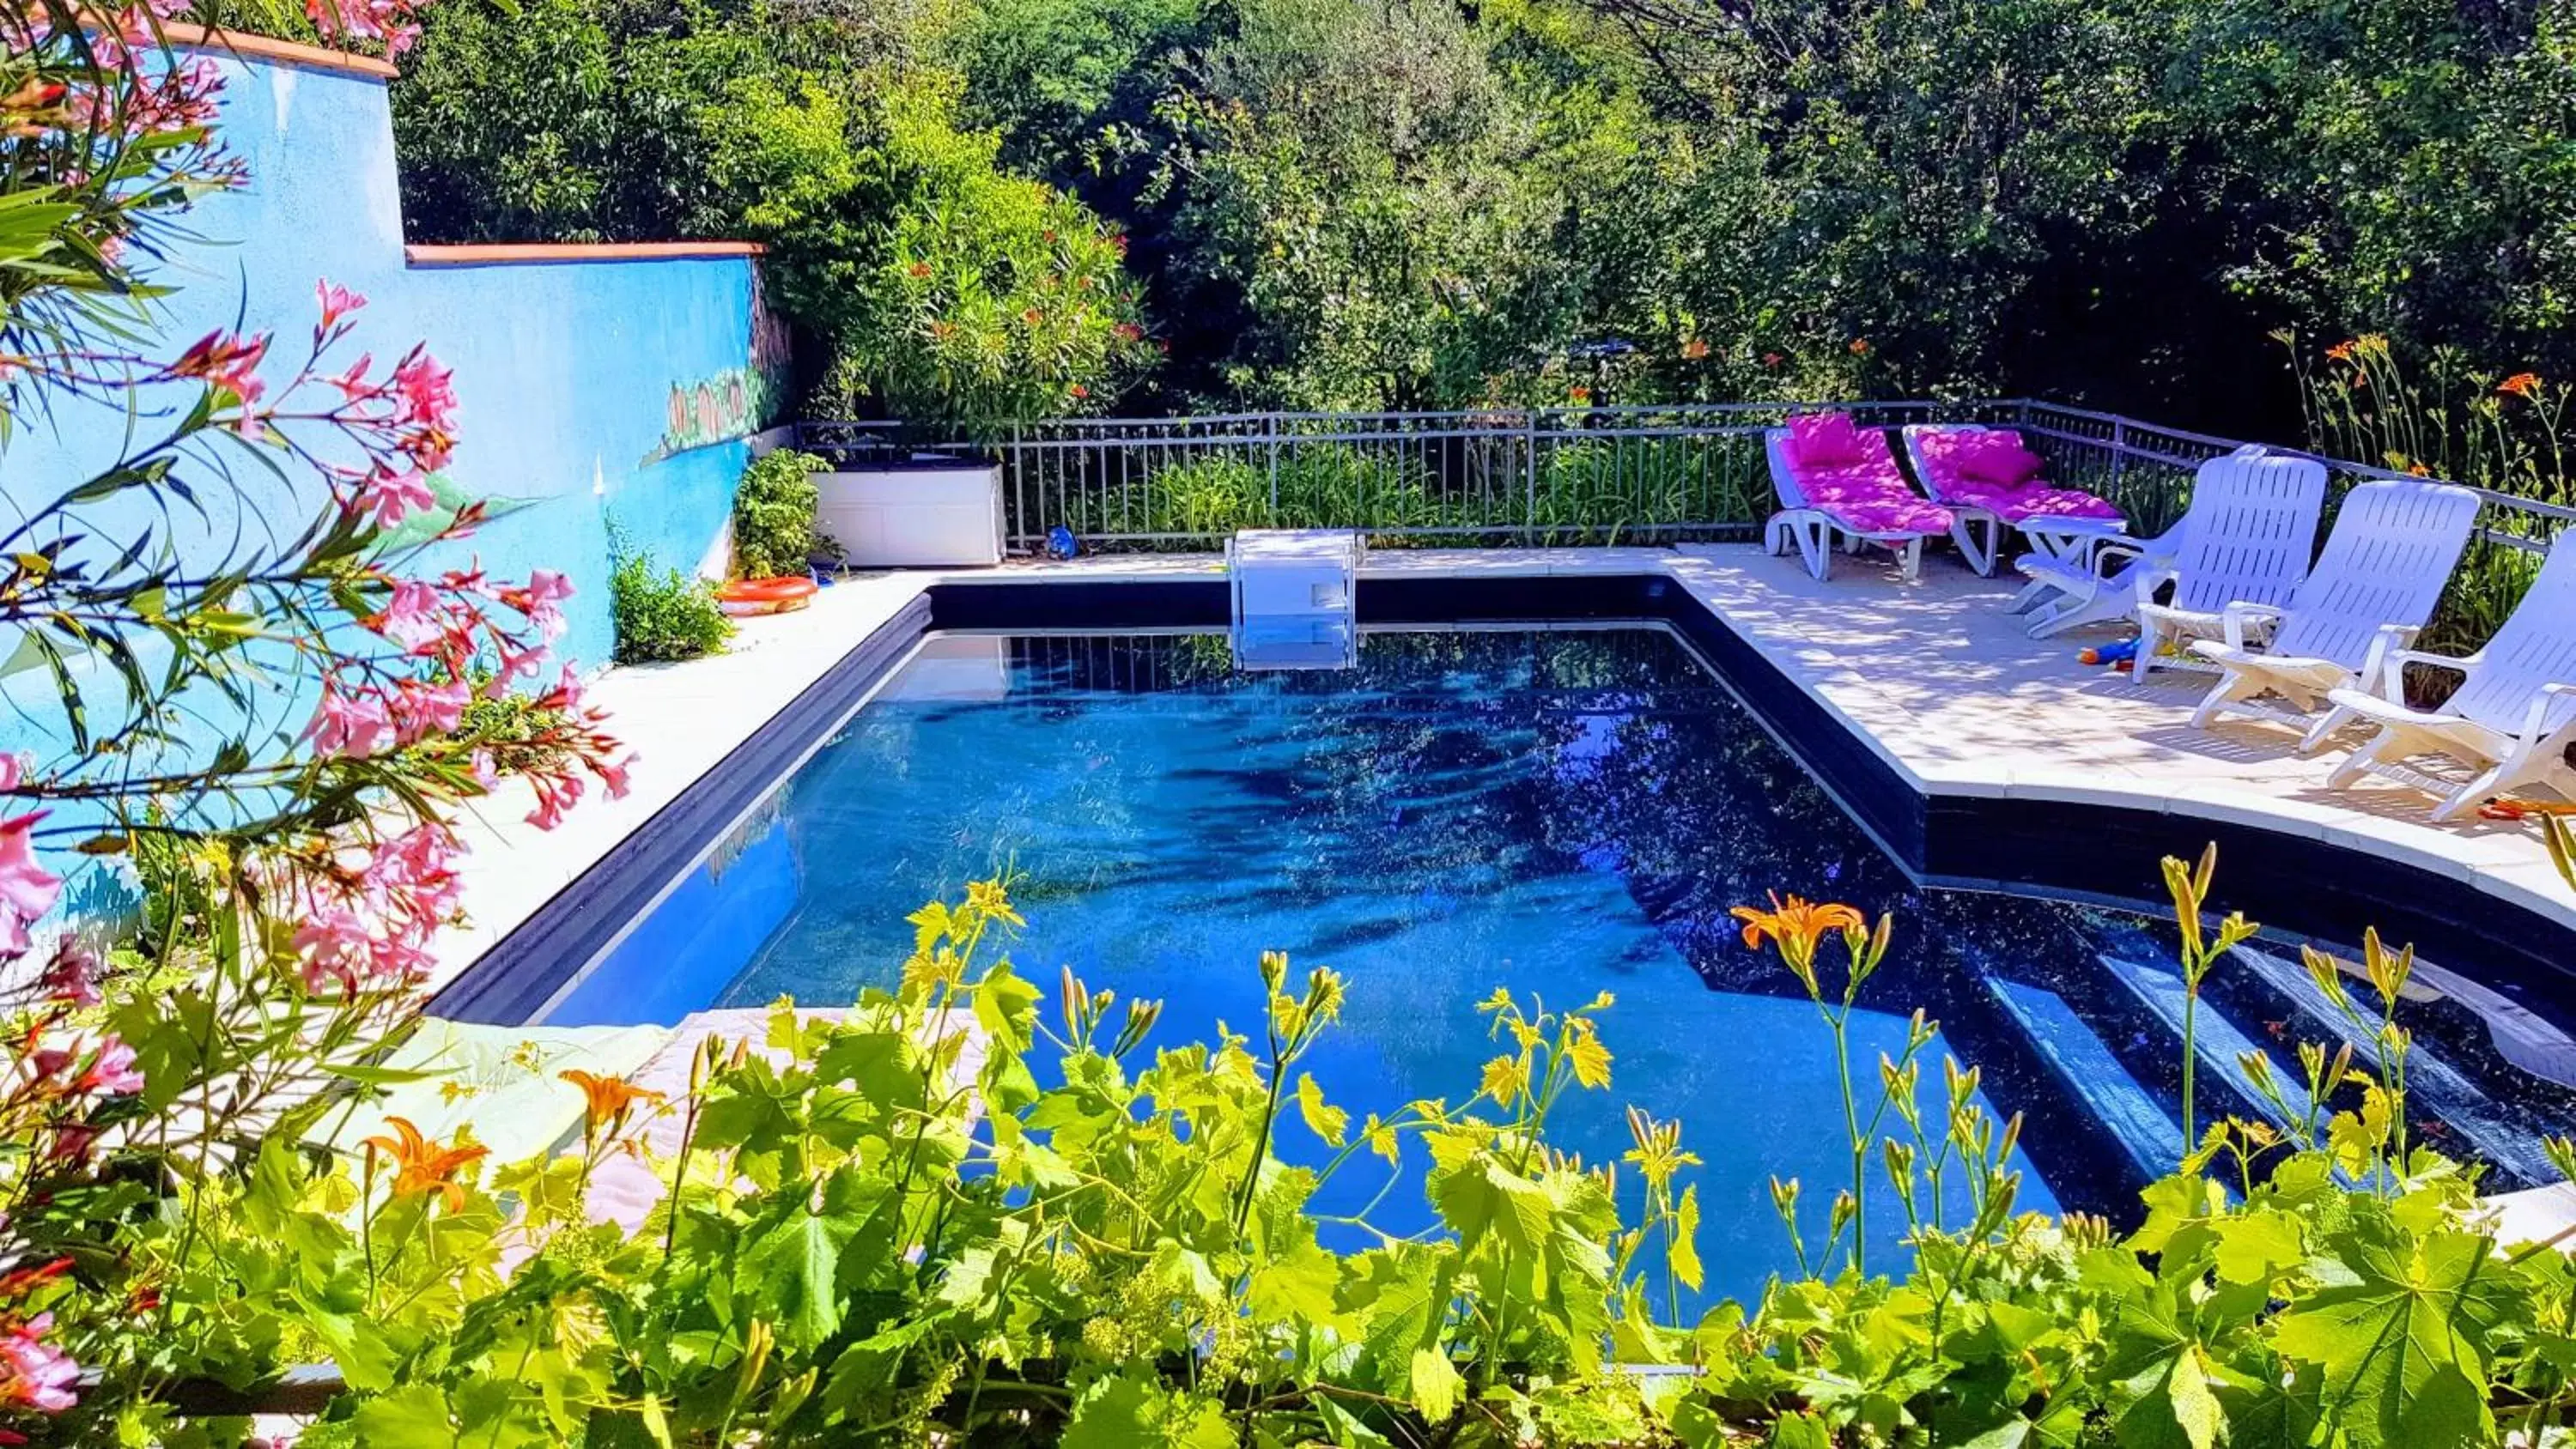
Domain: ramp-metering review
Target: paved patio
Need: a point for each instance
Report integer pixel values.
(1946, 686)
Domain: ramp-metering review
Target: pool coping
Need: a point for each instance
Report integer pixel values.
(1951, 831)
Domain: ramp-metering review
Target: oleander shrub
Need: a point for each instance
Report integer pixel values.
(664, 615)
(773, 515)
(266, 733)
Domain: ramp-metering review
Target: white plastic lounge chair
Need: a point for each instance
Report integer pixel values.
(2057, 521)
(2392, 548)
(2511, 720)
(1864, 500)
(2248, 543)
(2249, 494)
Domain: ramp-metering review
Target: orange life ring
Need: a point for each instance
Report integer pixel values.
(765, 596)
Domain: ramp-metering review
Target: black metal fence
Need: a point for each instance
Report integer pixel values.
(1589, 475)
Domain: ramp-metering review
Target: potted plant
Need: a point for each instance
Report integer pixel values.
(773, 535)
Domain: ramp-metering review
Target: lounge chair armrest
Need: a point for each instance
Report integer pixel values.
(2392, 669)
(2543, 700)
(2099, 552)
(2387, 643)
(2241, 617)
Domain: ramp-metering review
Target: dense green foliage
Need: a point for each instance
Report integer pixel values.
(892, 1226)
(773, 514)
(918, 271)
(1381, 203)
(663, 614)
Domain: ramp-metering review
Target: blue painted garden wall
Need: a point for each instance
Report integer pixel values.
(591, 392)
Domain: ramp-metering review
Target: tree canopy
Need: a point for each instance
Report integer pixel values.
(1424, 203)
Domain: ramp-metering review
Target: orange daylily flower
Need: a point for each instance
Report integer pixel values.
(2521, 384)
(1860, 347)
(2340, 352)
(423, 1166)
(607, 1099)
(1695, 349)
(1795, 923)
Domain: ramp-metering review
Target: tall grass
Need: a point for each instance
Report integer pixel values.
(2441, 416)
(1587, 490)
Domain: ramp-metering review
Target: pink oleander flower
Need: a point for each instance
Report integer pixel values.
(613, 776)
(334, 944)
(396, 959)
(514, 664)
(419, 708)
(411, 881)
(566, 695)
(555, 794)
(227, 361)
(27, 889)
(388, 496)
(33, 1373)
(113, 1071)
(71, 978)
(545, 589)
(337, 303)
(428, 391)
(106, 1066)
(387, 20)
(351, 725)
(73, 1142)
(411, 617)
(485, 773)
(354, 383)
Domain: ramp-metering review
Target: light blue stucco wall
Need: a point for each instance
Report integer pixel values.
(565, 374)
(563, 370)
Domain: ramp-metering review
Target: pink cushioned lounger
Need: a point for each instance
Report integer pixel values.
(1840, 482)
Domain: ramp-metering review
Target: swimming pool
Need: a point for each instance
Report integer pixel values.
(1556, 811)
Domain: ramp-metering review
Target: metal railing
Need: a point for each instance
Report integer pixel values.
(1575, 475)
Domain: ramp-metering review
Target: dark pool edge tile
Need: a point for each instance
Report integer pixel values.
(531, 964)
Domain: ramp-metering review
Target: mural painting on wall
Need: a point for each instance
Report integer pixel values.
(736, 402)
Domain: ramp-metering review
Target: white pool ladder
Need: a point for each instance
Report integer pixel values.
(1296, 597)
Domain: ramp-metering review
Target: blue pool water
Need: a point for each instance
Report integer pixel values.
(1560, 813)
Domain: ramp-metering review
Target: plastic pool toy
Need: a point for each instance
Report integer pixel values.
(2113, 654)
(743, 598)
(1061, 543)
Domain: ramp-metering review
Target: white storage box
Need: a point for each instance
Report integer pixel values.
(913, 516)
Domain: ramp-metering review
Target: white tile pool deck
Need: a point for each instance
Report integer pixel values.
(1932, 675)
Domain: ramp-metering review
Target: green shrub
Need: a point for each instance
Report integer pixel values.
(664, 616)
(773, 514)
(1048, 1229)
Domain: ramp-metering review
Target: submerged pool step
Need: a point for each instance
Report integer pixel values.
(2129, 1112)
(2520, 1035)
(2219, 1043)
(2437, 1087)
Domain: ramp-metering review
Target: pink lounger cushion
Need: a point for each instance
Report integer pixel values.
(1991, 469)
(1870, 500)
(1820, 442)
(1849, 473)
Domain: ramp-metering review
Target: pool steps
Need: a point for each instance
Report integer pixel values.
(2437, 1087)
(2219, 1043)
(2143, 1128)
